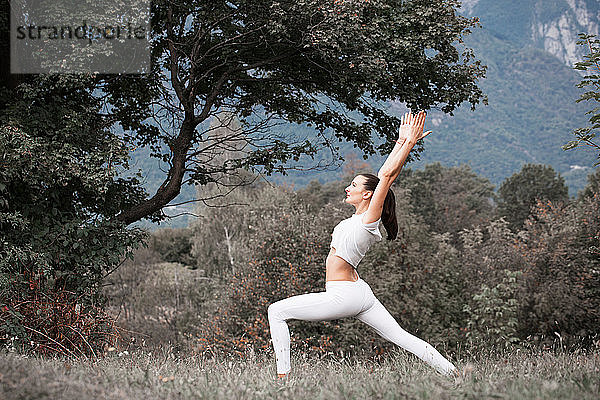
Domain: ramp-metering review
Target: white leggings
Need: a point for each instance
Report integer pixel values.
(345, 299)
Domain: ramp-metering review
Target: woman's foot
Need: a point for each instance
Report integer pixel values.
(282, 377)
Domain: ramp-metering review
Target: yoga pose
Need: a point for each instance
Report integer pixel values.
(346, 294)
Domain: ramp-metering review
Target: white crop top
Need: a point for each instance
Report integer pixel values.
(352, 238)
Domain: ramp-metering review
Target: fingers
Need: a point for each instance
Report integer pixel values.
(420, 121)
(409, 118)
(412, 125)
(406, 118)
(425, 134)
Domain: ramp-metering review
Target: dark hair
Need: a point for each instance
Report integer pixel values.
(388, 215)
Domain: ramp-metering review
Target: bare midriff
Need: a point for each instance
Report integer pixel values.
(338, 269)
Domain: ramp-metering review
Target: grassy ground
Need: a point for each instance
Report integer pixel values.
(162, 375)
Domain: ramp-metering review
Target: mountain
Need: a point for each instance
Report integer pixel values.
(551, 26)
(529, 47)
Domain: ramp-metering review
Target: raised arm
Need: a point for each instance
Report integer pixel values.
(411, 130)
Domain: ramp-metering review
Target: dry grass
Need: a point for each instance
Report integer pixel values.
(163, 375)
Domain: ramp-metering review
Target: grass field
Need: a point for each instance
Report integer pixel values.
(163, 375)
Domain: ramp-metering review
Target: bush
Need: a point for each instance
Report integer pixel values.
(157, 302)
(411, 276)
(174, 245)
(289, 250)
(493, 315)
(562, 273)
(58, 200)
(494, 288)
(488, 251)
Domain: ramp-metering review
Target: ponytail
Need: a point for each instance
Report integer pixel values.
(388, 214)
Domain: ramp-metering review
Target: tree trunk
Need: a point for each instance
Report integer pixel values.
(171, 187)
(229, 249)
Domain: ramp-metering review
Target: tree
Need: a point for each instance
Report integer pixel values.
(523, 189)
(449, 199)
(593, 186)
(59, 195)
(591, 64)
(562, 252)
(325, 65)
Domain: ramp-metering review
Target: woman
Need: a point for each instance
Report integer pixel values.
(346, 294)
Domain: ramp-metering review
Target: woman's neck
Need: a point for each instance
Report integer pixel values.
(361, 208)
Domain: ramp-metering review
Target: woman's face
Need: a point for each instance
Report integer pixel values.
(355, 191)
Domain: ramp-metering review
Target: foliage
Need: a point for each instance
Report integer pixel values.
(59, 195)
(220, 236)
(288, 248)
(419, 279)
(439, 288)
(163, 304)
(489, 287)
(561, 273)
(449, 199)
(557, 292)
(526, 88)
(519, 192)
(591, 65)
(530, 114)
(174, 245)
(286, 242)
(316, 194)
(592, 187)
(489, 250)
(493, 320)
(327, 67)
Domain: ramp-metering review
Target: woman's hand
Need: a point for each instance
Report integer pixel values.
(411, 127)
(411, 130)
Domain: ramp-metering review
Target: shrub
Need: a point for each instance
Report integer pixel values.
(497, 287)
(493, 315)
(562, 273)
(164, 304)
(289, 250)
(419, 279)
(412, 277)
(59, 195)
(174, 245)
